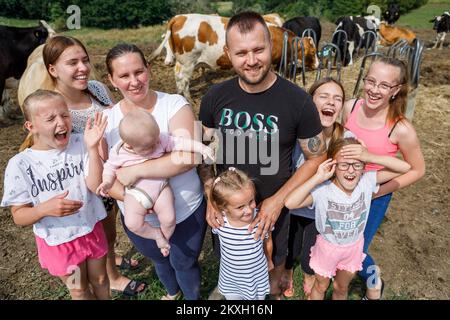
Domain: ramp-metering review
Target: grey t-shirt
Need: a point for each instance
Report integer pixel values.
(340, 218)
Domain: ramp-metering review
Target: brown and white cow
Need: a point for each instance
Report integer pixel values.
(390, 34)
(197, 39)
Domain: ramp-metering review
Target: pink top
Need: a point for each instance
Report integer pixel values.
(120, 157)
(377, 141)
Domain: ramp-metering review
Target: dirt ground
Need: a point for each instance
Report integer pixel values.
(412, 246)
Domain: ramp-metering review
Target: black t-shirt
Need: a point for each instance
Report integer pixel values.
(258, 131)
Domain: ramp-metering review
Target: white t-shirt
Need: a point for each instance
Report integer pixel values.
(340, 218)
(186, 187)
(34, 176)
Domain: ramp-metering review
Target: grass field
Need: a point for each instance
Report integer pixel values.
(420, 17)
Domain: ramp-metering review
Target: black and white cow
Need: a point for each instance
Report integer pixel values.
(392, 13)
(442, 26)
(354, 27)
(300, 24)
(16, 44)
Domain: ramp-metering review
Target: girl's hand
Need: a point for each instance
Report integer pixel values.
(94, 130)
(355, 151)
(103, 189)
(58, 206)
(325, 170)
(208, 155)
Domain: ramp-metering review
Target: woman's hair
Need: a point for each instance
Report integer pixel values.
(227, 183)
(397, 106)
(336, 145)
(338, 129)
(120, 50)
(29, 105)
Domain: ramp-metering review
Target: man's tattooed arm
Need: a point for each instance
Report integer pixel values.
(314, 146)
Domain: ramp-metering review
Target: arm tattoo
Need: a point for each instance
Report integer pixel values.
(314, 145)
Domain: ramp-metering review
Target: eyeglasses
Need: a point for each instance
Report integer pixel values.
(344, 166)
(371, 83)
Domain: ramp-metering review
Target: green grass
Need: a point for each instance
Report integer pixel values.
(419, 18)
(18, 22)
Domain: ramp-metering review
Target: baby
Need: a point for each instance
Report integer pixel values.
(141, 141)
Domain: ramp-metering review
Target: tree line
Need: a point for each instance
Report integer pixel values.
(134, 13)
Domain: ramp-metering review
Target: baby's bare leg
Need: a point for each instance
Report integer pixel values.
(134, 220)
(165, 210)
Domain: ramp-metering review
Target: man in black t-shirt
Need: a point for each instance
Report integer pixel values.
(258, 118)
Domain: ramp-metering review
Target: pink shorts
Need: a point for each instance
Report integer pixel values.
(327, 257)
(62, 259)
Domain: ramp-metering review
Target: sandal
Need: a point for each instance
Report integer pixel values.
(126, 264)
(131, 290)
(176, 296)
(365, 297)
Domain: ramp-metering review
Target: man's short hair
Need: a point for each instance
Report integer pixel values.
(246, 21)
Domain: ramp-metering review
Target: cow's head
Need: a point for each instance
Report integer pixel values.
(40, 34)
(51, 32)
(311, 59)
(392, 14)
(436, 21)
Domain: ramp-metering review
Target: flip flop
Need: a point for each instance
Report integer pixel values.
(126, 264)
(176, 296)
(131, 290)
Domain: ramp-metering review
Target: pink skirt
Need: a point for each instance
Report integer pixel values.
(327, 257)
(63, 259)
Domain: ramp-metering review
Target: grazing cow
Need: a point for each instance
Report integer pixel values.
(299, 24)
(442, 26)
(197, 39)
(390, 34)
(354, 27)
(16, 44)
(392, 14)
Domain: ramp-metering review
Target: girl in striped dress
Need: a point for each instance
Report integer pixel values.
(243, 271)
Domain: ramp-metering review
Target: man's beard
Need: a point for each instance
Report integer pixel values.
(254, 82)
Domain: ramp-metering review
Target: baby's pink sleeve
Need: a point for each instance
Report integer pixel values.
(113, 163)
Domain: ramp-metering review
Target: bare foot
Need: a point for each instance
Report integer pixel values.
(308, 283)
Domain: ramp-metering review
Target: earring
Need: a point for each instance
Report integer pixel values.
(393, 97)
(115, 89)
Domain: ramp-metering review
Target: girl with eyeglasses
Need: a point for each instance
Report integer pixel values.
(341, 193)
(378, 120)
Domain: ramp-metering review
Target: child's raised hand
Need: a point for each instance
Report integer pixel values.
(103, 189)
(355, 151)
(208, 155)
(326, 170)
(59, 206)
(94, 130)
